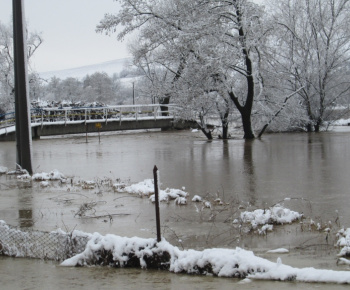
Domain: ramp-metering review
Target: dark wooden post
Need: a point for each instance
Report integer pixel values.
(156, 194)
(23, 125)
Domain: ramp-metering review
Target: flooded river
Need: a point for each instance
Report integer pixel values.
(308, 173)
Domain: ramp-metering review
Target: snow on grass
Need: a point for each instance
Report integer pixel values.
(119, 251)
(197, 198)
(181, 200)
(265, 228)
(143, 188)
(146, 188)
(274, 215)
(344, 242)
(53, 175)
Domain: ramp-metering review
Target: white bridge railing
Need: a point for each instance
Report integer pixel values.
(97, 114)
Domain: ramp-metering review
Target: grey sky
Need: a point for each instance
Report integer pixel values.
(68, 30)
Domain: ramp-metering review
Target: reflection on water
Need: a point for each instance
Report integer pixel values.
(310, 168)
(25, 212)
(249, 170)
(25, 218)
(261, 172)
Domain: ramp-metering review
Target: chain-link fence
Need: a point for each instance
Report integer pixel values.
(56, 245)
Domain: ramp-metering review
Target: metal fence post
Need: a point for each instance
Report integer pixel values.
(156, 194)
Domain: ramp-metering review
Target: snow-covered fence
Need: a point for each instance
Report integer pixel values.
(56, 245)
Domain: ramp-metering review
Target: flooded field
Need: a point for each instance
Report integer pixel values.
(307, 173)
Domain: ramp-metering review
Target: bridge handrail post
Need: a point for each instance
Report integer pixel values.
(120, 116)
(155, 109)
(136, 113)
(65, 117)
(42, 118)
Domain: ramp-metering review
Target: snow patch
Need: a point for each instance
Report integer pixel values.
(146, 188)
(122, 251)
(53, 175)
(344, 242)
(274, 215)
(279, 251)
(197, 198)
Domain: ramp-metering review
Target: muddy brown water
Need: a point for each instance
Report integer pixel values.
(307, 173)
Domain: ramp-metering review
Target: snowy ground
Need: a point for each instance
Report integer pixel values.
(224, 262)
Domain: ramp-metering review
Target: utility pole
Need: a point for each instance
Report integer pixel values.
(22, 114)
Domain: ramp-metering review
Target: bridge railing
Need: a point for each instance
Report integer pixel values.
(85, 114)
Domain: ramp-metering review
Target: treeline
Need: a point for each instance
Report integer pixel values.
(97, 87)
(278, 66)
(281, 65)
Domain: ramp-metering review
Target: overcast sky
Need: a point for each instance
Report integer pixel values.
(68, 30)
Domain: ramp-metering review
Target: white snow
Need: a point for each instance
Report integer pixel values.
(53, 175)
(207, 204)
(287, 273)
(343, 261)
(197, 198)
(265, 228)
(222, 262)
(3, 169)
(279, 251)
(146, 188)
(44, 184)
(143, 188)
(181, 200)
(274, 215)
(344, 242)
(341, 122)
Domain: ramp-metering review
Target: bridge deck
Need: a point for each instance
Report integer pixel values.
(53, 121)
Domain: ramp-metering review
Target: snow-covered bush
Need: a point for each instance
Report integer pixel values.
(274, 215)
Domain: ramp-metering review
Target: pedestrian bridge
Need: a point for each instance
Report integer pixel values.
(77, 120)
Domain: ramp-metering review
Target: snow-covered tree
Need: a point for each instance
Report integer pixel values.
(34, 40)
(71, 89)
(99, 87)
(185, 38)
(312, 52)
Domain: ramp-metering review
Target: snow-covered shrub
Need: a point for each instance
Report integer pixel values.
(274, 215)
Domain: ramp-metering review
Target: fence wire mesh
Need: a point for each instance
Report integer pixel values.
(43, 245)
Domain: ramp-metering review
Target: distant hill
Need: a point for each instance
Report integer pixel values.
(110, 67)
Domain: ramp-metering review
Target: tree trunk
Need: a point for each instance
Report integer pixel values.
(246, 109)
(204, 128)
(247, 125)
(317, 127)
(165, 101)
(207, 133)
(225, 130)
(224, 122)
(309, 127)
